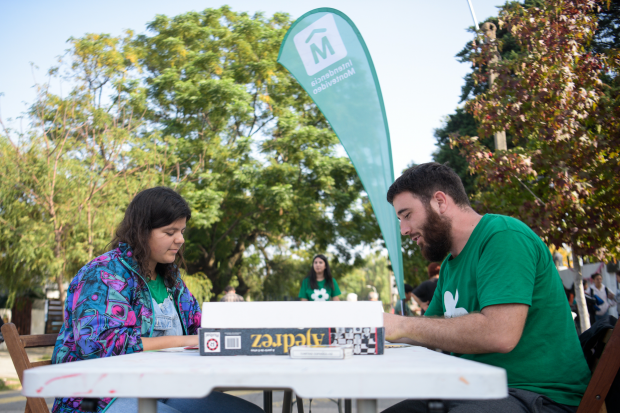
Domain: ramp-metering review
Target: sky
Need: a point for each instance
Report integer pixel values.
(412, 44)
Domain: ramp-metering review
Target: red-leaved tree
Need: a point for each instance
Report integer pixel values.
(562, 177)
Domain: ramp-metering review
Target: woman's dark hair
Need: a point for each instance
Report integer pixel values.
(433, 269)
(327, 273)
(150, 209)
(425, 179)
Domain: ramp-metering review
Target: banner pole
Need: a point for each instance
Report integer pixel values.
(473, 14)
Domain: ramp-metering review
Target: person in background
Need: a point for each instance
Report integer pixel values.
(590, 302)
(600, 294)
(373, 296)
(319, 285)
(132, 299)
(617, 298)
(424, 292)
(231, 295)
(408, 297)
(351, 297)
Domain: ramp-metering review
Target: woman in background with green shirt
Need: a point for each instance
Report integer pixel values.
(319, 284)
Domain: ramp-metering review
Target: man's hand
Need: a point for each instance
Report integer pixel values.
(497, 329)
(392, 323)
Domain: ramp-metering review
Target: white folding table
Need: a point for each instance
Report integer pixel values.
(410, 372)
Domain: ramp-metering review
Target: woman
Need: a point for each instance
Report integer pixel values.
(319, 284)
(132, 299)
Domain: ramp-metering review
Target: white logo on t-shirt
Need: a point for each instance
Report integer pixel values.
(450, 303)
(320, 295)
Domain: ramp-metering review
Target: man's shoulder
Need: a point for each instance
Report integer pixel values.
(509, 227)
(496, 223)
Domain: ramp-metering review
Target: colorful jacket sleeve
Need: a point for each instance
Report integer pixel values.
(190, 308)
(101, 317)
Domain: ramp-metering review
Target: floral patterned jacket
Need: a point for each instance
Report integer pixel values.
(107, 312)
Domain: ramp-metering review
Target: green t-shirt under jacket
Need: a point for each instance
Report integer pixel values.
(323, 293)
(158, 289)
(505, 262)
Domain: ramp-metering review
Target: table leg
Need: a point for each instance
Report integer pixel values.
(268, 401)
(287, 402)
(147, 405)
(366, 405)
(348, 408)
(300, 404)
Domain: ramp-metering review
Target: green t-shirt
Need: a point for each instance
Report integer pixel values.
(323, 293)
(505, 262)
(158, 289)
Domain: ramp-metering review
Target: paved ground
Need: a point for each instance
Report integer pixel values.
(11, 401)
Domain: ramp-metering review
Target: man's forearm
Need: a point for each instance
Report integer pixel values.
(494, 332)
(448, 334)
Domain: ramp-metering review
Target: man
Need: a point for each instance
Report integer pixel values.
(617, 297)
(408, 297)
(231, 295)
(600, 294)
(499, 293)
(425, 291)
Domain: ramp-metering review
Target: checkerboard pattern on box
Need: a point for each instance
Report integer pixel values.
(364, 339)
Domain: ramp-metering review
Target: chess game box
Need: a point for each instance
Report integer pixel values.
(273, 328)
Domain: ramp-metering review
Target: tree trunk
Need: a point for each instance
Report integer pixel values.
(21, 315)
(580, 298)
(61, 291)
(90, 233)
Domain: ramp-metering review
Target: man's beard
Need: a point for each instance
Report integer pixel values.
(436, 235)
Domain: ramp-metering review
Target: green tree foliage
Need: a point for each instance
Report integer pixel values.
(255, 157)
(462, 123)
(376, 273)
(197, 103)
(64, 181)
(607, 36)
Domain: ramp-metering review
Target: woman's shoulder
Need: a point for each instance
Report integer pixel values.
(109, 263)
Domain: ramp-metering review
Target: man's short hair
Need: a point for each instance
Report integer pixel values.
(229, 288)
(596, 274)
(408, 289)
(425, 179)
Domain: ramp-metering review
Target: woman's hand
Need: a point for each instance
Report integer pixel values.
(158, 343)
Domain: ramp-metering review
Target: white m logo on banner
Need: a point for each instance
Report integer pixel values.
(320, 45)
